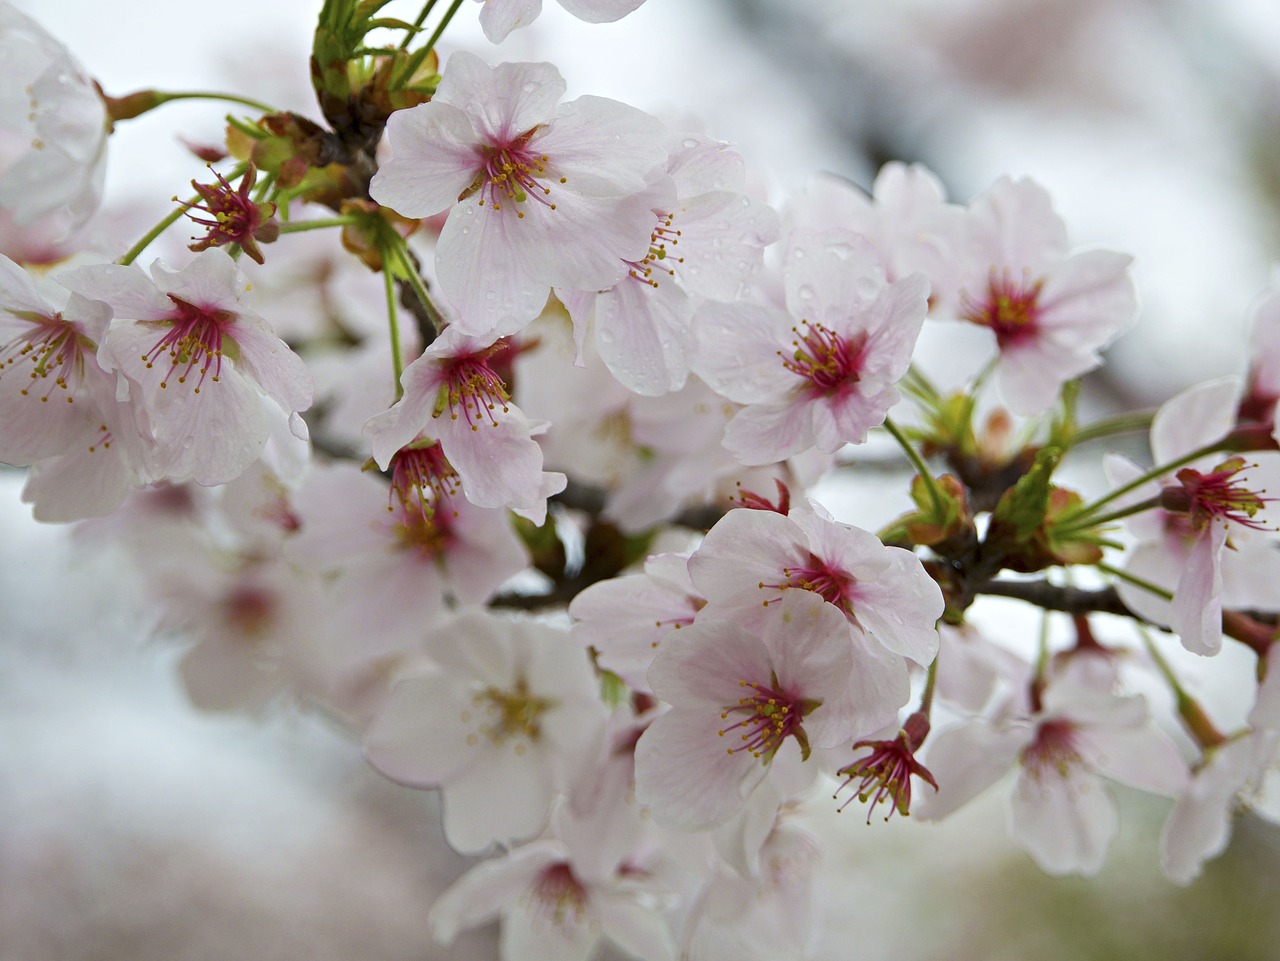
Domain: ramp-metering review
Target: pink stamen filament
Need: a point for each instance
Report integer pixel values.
(1011, 307)
(472, 390)
(193, 340)
(1054, 748)
(512, 172)
(55, 352)
(769, 719)
(422, 479)
(657, 256)
(829, 361)
(560, 894)
(1218, 494)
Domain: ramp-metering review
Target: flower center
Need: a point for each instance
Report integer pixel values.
(1053, 750)
(884, 775)
(249, 611)
(765, 718)
(233, 216)
(1219, 494)
(506, 715)
(422, 478)
(831, 584)
(54, 353)
(424, 528)
(471, 389)
(193, 342)
(511, 173)
(1011, 307)
(560, 894)
(658, 258)
(829, 361)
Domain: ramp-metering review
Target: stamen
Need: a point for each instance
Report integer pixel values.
(472, 389)
(768, 717)
(1011, 307)
(831, 362)
(192, 342)
(54, 352)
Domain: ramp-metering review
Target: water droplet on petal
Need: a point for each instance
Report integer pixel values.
(689, 143)
(806, 292)
(529, 86)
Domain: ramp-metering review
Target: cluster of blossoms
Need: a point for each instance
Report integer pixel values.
(559, 566)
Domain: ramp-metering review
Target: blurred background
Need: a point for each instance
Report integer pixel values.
(132, 827)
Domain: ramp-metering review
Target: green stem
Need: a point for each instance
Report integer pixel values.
(162, 97)
(1193, 715)
(1077, 518)
(318, 223)
(132, 253)
(935, 497)
(401, 250)
(417, 24)
(1135, 581)
(1065, 530)
(1110, 426)
(393, 319)
(448, 15)
(926, 697)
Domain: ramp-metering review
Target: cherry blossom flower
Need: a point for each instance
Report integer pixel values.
(1240, 774)
(707, 241)
(752, 557)
(884, 768)
(1062, 813)
(51, 387)
(536, 193)
(233, 218)
(1261, 402)
(1050, 311)
(500, 17)
(625, 619)
(198, 363)
(763, 915)
(499, 726)
(1207, 541)
(452, 394)
(822, 373)
(907, 219)
(51, 112)
(739, 694)
(399, 554)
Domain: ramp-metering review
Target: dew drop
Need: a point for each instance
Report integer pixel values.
(529, 86)
(806, 292)
(689, 143)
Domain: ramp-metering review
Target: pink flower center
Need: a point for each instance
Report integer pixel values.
(765, 717)
(885, 774)
(1053, 751)
(472, 389)
(831, 584)
(559, 894)
(658, 258)
(830, 362)
(511, 173)
(52, 351)
(1011, 307)
(1217, 495)
(193, 342)
(249, 611)
(233, 216)
(422, 478)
